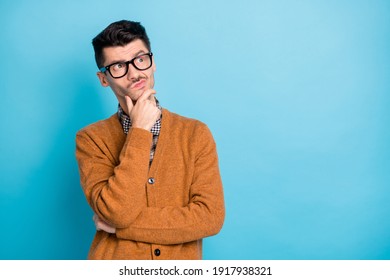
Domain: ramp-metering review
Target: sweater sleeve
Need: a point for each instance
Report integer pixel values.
(115, 192)
(202, 217)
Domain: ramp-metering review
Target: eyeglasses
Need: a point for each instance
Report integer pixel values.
(119, 69)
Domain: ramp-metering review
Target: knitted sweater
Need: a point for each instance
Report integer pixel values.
(161, 212)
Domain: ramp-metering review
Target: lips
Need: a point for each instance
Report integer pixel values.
(140, 84)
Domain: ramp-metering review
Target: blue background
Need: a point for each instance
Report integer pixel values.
(296, 94)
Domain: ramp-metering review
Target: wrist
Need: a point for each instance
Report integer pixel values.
(141, 126)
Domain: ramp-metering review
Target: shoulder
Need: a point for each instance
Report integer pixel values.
(185, 125)
(102, 129)
(177, 119)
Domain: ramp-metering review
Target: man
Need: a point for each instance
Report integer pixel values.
(150, 176)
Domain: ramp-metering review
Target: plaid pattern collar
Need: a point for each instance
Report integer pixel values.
(126, 121)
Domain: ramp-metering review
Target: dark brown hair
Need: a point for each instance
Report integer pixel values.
(118, 33)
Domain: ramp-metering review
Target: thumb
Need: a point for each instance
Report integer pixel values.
(129, 104)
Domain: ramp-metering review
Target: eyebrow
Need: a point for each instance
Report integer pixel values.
(122, 61)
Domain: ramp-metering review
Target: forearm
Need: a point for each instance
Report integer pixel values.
(115, 190)
(203, 213)
(174, 225)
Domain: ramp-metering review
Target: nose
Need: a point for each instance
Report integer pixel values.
(132, 72)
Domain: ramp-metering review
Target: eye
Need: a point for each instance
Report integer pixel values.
(118, 66)
(140, 59)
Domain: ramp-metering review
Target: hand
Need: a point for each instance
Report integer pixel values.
(102, 225)
(144, 113)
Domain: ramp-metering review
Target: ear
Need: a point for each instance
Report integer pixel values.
(103, 79)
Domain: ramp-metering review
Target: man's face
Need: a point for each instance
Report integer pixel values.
(135, 82)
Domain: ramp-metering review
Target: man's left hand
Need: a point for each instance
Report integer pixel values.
(102, 225)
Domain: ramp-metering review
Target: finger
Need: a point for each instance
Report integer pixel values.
(152, 98)
(147, 94)
(129, 103)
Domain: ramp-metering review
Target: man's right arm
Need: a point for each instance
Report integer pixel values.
(116, 192)
(112, 194)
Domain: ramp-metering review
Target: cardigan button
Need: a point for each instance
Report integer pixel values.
(151, 180)
(157, 252)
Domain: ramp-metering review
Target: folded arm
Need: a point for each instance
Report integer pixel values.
(202, 217)
(117, 193)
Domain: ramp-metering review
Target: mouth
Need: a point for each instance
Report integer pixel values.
(139, 84)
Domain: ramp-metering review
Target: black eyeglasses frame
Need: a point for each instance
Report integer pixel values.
(107, 68)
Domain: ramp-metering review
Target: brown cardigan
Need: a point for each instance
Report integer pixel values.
(161, 212)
